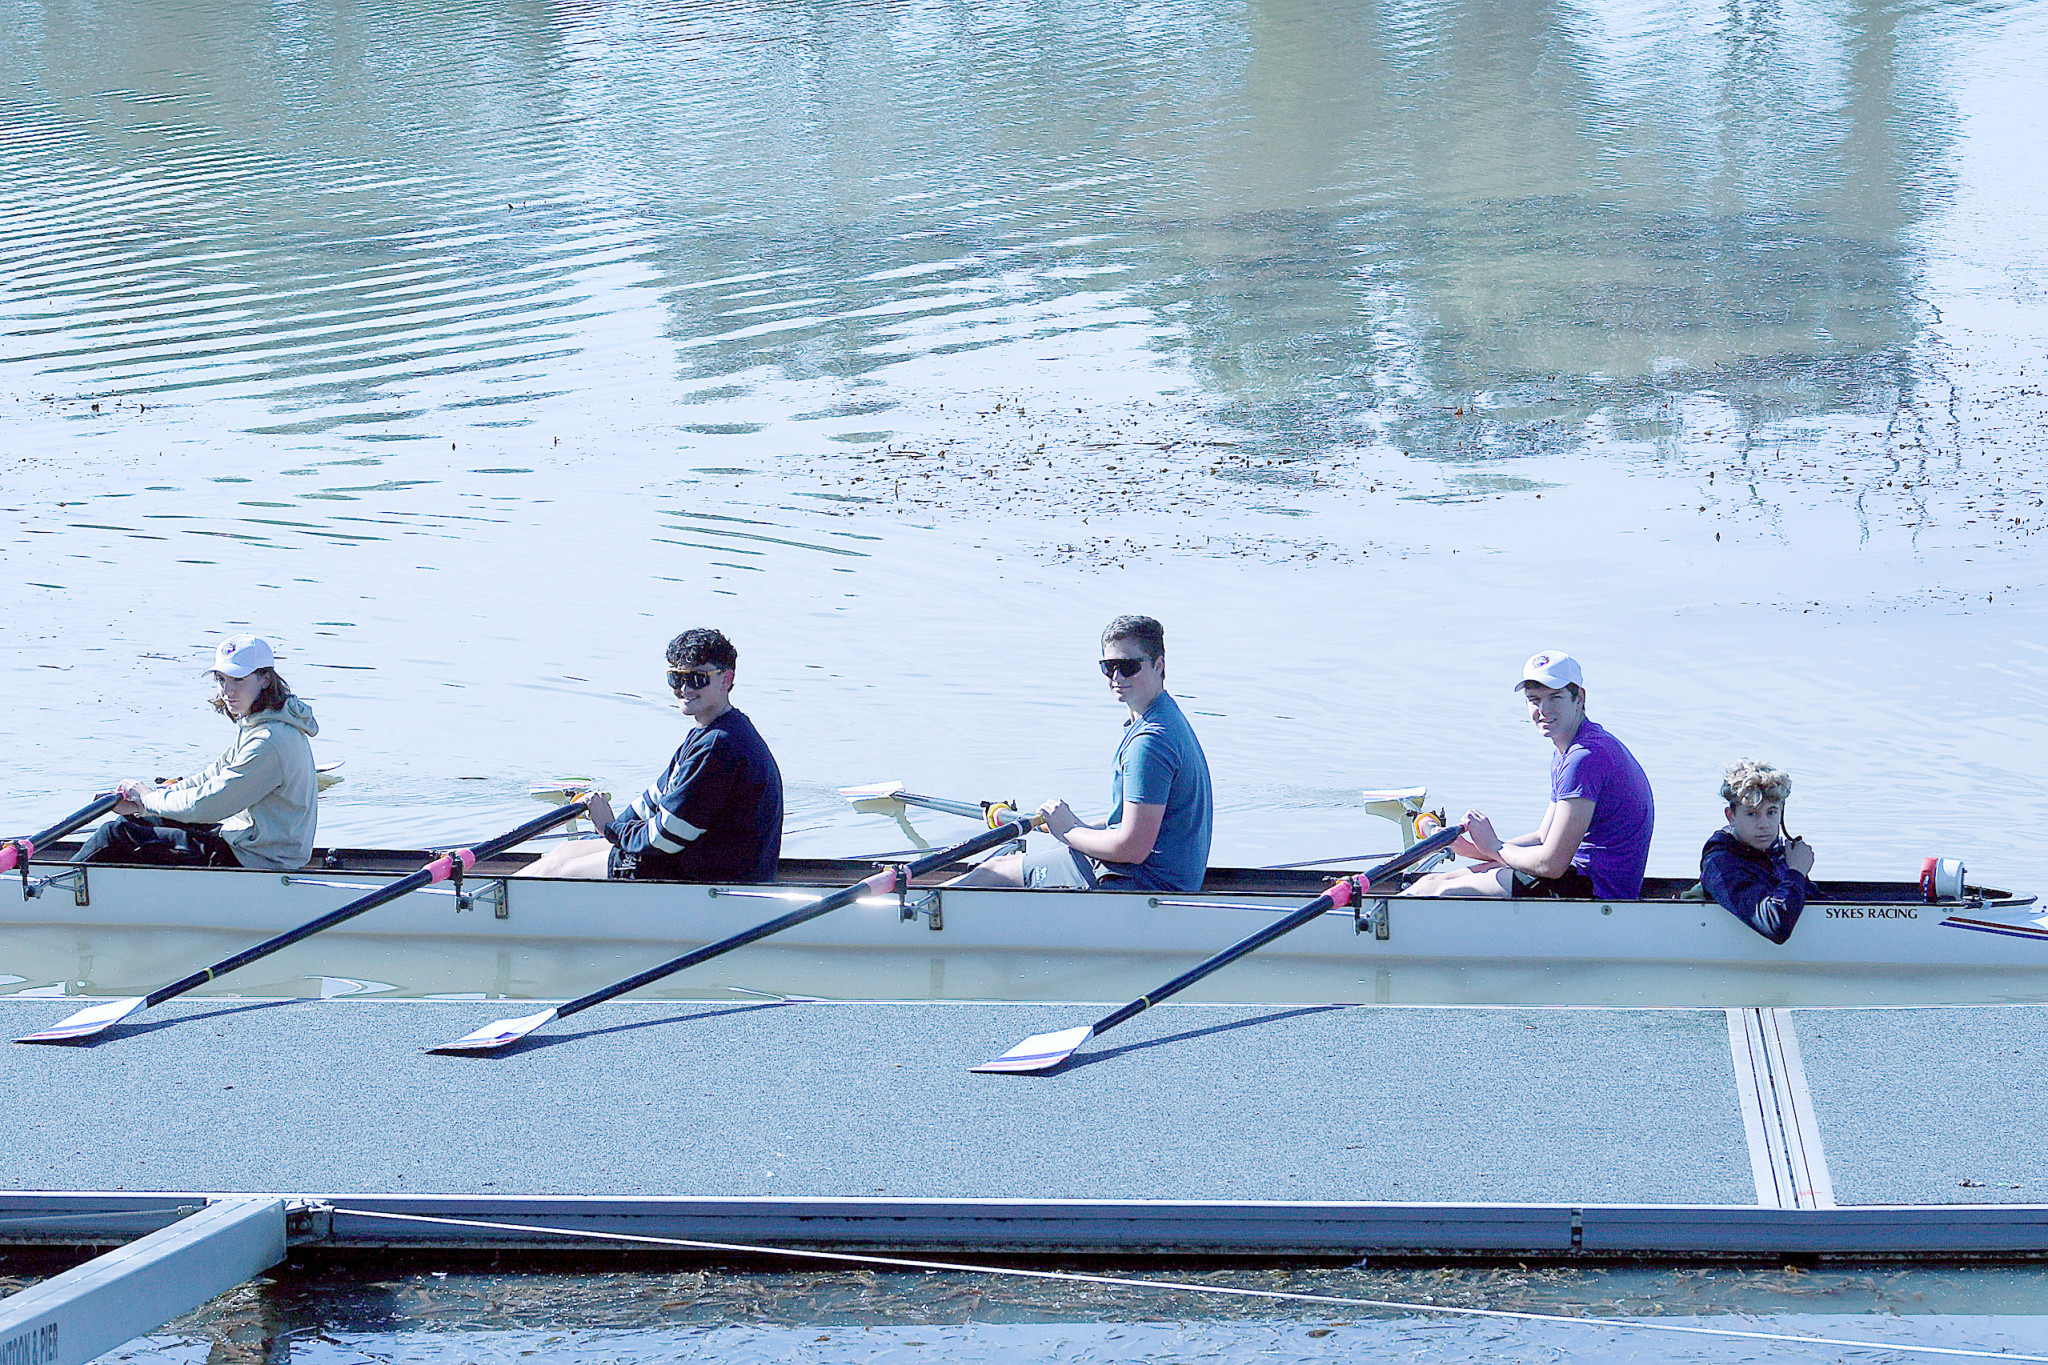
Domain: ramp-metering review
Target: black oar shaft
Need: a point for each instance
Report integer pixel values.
(432, 872)
(1287, 924)
(78, 819)
(1001, 834)
(1250, 943)
(711, 950)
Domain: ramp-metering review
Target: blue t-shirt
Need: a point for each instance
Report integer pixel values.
(1160, 763)
(715, 815)
(1597, 768)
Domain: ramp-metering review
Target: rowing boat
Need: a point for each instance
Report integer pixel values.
(1851, 924)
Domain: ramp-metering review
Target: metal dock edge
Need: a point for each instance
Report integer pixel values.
(88, 1310)
(1132, 1229)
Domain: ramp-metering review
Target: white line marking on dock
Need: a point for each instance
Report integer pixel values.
(1785, 1153)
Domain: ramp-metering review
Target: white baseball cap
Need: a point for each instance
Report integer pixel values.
(1552, 668)
(241, 655)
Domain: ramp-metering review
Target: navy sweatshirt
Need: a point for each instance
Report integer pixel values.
(1754, 886)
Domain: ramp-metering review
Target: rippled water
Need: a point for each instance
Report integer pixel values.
(470, 352)
(327, 1319)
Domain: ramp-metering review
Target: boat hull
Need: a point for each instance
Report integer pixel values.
(1865, 925)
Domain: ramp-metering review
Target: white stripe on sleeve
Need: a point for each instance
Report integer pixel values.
(670, 832)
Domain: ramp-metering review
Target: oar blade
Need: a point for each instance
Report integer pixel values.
(89, 1021)
(874, 798)
(870, 791)
(1041, 1051)
(503, 1033)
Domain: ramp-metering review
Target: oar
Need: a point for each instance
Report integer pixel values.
(1318, 862)
(96, 1018)
(882, 805)
(877, 796)
(1044, 1051)
(21, 850)
(506, 1032)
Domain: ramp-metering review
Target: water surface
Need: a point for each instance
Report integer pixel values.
(863, 1316)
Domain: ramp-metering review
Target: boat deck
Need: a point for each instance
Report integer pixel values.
(1320, 1129)
(1300, 883)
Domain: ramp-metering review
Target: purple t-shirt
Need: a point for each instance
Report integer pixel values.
(1616, 848)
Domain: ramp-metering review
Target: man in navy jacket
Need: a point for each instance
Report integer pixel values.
(714, 814)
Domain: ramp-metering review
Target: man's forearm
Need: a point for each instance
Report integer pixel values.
(1106, 845)
(1536, 860)
(1517, 855)
(1508, 849)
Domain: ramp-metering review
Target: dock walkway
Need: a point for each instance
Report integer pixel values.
(1197, 1128)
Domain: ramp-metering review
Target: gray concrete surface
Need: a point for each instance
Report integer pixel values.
(1913, 1103)
(1186, 1102)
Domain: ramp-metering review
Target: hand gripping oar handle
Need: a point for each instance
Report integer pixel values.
(439, 870)
(1336, 898)
(889, 879)
(21, 850)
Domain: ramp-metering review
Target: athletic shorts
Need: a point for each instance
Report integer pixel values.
(622, 866)
(1057, 866)
(1573, 885)
(156, 842)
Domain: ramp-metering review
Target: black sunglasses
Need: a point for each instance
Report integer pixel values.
(696, 678)
(1120, 668)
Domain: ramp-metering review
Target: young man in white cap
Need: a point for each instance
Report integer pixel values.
(251, 807)
(1595, 838)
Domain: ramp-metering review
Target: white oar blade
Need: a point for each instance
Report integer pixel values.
(871, 791)
(503, 1033)
(1041, 1051)
(874, 798)
(84, 1024)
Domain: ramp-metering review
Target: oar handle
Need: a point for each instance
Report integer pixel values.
(440, 869)
(21, 850)
(997, 834)
(1336, 897)
(881, 884)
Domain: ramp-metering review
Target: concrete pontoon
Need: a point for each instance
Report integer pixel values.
(1208, 1130)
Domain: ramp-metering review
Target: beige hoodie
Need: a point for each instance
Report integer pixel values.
(261, 791)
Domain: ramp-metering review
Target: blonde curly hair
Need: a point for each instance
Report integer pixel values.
(1751, 782)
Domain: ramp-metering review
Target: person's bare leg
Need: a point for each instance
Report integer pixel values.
(1489, 882)
(584, 858)
(1007, 870)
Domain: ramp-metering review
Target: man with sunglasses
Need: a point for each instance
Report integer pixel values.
(1157, 837)
(715, 815)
